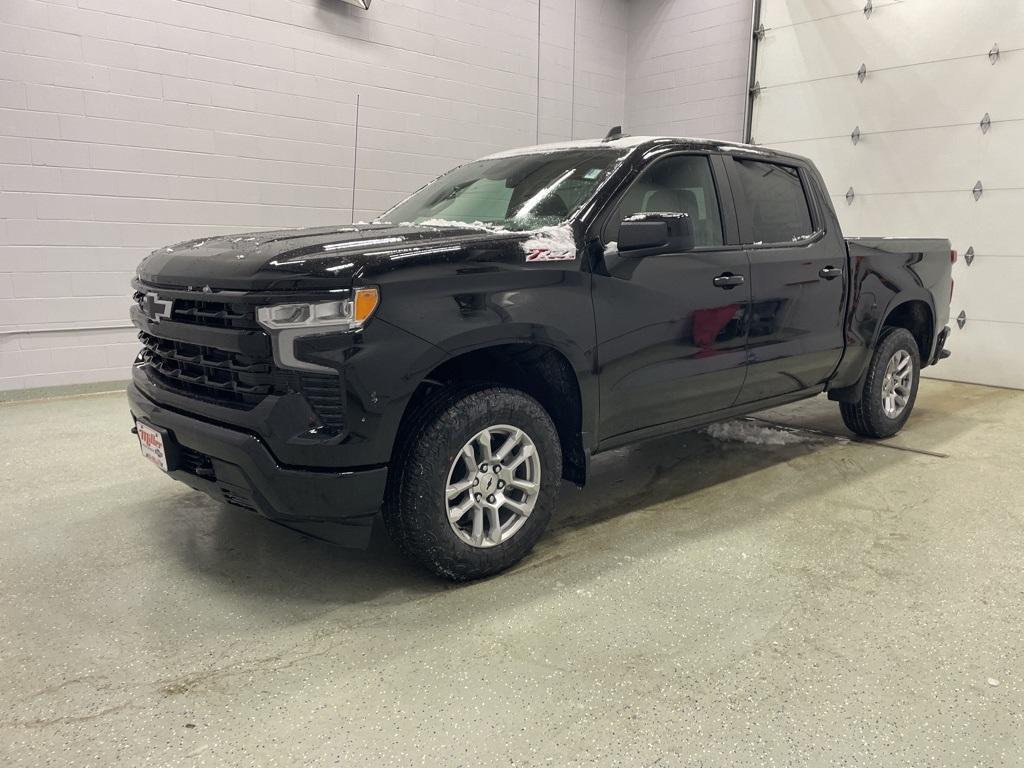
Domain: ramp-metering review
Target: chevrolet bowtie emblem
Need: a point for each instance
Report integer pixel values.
(155, 308)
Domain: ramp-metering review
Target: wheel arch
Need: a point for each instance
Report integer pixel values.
(539, 369)
(915, 315)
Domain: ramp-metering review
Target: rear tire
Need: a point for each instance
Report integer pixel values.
(450, 442)
(890, 388)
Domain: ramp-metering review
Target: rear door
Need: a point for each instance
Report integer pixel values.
(797, 279)
(671, 341)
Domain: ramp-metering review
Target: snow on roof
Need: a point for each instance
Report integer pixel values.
(624, 143)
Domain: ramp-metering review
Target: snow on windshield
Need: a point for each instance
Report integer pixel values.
(517, 193)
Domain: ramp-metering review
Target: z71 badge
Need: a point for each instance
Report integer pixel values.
(546, 254)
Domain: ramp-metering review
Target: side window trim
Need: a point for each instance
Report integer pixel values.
(814, 191)
(743, 212)
(727, 204)
(723, 212)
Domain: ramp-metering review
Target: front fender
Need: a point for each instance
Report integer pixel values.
(465, 312)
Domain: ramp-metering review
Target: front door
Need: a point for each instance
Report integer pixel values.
(671, 327)
(797, 276)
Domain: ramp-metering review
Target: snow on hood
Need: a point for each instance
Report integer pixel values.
(552, 243)
(450, 223)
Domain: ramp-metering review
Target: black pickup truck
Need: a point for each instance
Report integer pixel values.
(446, 366)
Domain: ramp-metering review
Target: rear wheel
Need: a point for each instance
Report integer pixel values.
(474, 482)
(890, 388)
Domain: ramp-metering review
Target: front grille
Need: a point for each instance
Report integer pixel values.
(210, 373)
(230, 378)
(210, 312)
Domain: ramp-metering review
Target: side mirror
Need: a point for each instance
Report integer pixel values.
(648, 234)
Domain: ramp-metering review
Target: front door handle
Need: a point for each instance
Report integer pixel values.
(728, 280)
(830, 273)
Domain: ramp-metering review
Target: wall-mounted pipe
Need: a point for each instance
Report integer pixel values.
(748, 106)
(355, 161)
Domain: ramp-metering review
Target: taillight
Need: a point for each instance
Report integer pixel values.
(952, 257)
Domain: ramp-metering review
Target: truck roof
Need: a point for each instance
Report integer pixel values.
(631, 142)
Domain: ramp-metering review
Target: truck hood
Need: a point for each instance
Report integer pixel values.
(327, 257)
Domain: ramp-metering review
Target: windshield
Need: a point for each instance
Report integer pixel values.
(518, 192)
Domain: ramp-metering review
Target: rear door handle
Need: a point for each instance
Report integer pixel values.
(830, 273)
(728, 280)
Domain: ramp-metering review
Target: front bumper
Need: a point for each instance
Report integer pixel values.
(235, 467)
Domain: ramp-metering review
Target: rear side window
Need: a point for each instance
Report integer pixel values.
(776, 200)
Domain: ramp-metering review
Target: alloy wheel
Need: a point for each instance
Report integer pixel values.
(896, 383)
(492, 486)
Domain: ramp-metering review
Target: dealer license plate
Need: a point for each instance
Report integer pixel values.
(152, 443)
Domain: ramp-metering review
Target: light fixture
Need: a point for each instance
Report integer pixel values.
(364, 4)
(289, 322)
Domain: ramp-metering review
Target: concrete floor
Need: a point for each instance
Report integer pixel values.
(703, 603)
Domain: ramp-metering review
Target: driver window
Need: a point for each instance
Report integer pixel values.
(676, 184)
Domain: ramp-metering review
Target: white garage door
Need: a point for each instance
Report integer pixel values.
(928, 84)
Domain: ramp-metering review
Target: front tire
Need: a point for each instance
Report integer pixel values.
(474, 482)
(890, 388)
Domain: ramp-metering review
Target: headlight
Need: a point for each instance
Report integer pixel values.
(288, 322)
(347, 314)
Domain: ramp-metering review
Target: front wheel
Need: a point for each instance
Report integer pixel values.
(890, 388)
(474, 482)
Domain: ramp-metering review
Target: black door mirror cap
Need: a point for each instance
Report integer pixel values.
(649, 234)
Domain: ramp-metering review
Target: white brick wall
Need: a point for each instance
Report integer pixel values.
(583, 87)
(687, 67)
(130, 124)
